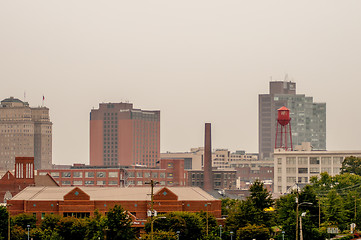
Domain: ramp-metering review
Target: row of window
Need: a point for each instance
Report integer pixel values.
(88, 182)
(80, 174)
(148, 174)
(311, 160)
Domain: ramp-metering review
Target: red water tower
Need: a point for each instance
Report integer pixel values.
(283, 135)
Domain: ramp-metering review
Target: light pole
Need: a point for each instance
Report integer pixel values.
(178, 232)
(298, 205)
(283, 235)
(28, 231)
(207, 216)
(220, 231)
(8, 205)
(152, 224)
(152, 183)
(231, 235)
(301, 234)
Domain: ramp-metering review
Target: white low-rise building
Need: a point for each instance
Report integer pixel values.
(292, 167)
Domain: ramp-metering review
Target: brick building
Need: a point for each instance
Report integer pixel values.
(11, 184)
(122, 136)
(82, 201)
(169, 172)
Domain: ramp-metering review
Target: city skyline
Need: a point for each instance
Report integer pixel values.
(196, 62)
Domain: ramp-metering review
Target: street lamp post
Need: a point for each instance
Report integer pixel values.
(220, 231)
(152, 225)
(152, 184)
(231, 235)
(28, 231)
(8, 205)
(297, 206)
(301, 233)
(207, 216)
(178, 232)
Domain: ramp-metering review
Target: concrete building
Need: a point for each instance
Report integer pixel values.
(222, 179)
(82, 201)
(122, 136)
(308, 119)
(25, 132)
(292, 167)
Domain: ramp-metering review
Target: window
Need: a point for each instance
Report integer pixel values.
(314, 160)
(131, 182)
(279, 179)
(154, 175)
(113, 174)
(131, 174)
(89, 174)
(326, 160)
(76, 214)
(162, 183)
(290, 160)
(76, 183)
(170, 175)
(162, 175)
(337, 160)
(139, 174)
(65, 174)
(291, 170)
(326, 169)
(314, 170)
(279, 170)
(100, 174)
(100, 182)
(77, 174)
(89, 182)
(279, 161)
(170, 165)
(113, 183)
(54, 174)
(303, 170)
(291, 179)
(302, 161)
(139, 183)
(65, 182)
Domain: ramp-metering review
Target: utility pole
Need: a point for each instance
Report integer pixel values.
(152, 184)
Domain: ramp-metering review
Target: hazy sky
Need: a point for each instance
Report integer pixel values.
(196, 61)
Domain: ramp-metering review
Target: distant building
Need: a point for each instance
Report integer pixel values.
(82, 201)
(25, 131)
(292, 167)
(122, 136)
(308, 119)
(11, 184)
(169, 172)
(222, 179)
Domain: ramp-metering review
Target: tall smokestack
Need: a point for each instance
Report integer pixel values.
(207, 165)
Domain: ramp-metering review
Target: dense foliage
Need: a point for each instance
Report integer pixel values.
(327, 202)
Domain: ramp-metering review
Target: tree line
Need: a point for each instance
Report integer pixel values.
(328, 201)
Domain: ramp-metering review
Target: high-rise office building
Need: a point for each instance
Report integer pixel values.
(25, 132)
(121, 135)
(308, 119)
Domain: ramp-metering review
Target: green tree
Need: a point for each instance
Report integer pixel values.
(72, 228)
(253, 231)
(95, 226)
(161, 235)
(228, 205)
(252, 211)
(119, 224)
(351, 165)
(23, 220)
(50, 221)
(4, 215)
(334, 211)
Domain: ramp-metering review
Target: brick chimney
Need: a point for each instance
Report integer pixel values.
(207, 165)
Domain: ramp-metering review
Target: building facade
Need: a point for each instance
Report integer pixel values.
(169, 172)
(122, 136)
(308, 119)
(299, 166)
(83, 201)
(25, 132)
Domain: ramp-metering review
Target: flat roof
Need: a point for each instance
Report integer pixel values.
(111, 193)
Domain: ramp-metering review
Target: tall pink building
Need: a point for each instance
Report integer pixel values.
(121, 135)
